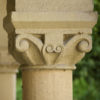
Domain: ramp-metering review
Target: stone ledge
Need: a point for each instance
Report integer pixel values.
(9, 68)
(56, 31)
(54, 20)
(50, 67)
(7, 59)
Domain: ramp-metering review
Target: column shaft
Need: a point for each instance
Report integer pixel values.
(47, 84)
(7, 86)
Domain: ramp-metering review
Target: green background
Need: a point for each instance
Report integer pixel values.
(87, 75)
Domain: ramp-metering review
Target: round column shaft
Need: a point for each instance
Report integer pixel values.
(46, 84)
(8, 83)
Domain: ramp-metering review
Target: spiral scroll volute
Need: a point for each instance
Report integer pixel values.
(75, 49)
(30, 48)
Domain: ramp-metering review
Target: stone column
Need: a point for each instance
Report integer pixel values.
(8, 70)
(8, 82)
(8, 66)
(51, 37)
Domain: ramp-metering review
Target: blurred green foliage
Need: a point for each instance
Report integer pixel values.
(19, 88)
(87, 76)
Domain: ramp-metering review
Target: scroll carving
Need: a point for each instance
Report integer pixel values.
(37, 52)
(75, 49)
(30, 47)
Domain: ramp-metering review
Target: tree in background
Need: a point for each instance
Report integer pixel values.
(87, 75)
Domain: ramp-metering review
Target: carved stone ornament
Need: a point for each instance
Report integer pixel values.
(52, 40)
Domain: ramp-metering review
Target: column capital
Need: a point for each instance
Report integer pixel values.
(7, 62)
(44, 39)
(53, 38)
(54, 50)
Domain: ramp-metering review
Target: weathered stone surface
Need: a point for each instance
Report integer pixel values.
(5, 8)
(8, 66)
(47, 84)
(3, 33)
(54, 5)
(38, 25)
(51, 37)
(7, 86)
(51, 20)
